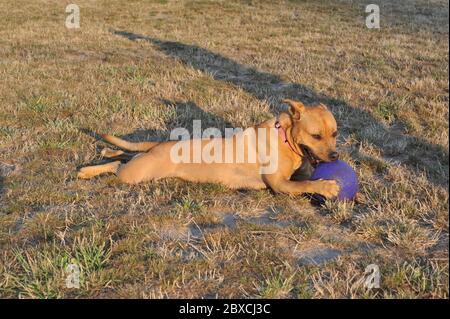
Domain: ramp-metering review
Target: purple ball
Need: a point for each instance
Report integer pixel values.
(343, 173)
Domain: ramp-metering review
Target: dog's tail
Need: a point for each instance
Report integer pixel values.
(129, 146)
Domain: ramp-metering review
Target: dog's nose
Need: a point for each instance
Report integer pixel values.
(333, 156)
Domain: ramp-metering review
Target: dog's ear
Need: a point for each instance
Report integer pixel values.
(296, 108)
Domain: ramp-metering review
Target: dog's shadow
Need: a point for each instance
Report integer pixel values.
(185, 112)
(1, 186)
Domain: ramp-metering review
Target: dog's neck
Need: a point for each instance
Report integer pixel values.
(287, 123)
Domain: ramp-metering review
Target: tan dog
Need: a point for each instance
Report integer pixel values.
(303, 133)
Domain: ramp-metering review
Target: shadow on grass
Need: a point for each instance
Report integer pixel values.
(185, 112)
(5, 171)
(415, 153)
(1, 186)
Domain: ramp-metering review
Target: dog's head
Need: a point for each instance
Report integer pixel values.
(314, 129)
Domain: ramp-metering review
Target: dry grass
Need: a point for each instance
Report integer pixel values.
(143, 68)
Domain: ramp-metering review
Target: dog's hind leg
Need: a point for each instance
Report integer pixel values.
(151, 165)
(91, 171)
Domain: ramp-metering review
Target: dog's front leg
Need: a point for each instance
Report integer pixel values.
(326, 188)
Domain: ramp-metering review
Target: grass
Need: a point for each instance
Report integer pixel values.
(42, 273)
(142, 69)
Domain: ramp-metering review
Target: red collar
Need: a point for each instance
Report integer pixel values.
(282, 132)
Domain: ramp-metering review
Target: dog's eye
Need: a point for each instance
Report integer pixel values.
(335, 134)
(316, 136)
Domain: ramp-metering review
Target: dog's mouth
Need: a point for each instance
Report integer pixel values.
(313, 159)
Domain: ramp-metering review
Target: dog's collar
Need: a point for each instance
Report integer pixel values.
(282, 132)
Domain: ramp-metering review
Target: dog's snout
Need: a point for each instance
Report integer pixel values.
(333, 156)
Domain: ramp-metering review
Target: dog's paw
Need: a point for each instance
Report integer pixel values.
(328, 188)
(83, 174)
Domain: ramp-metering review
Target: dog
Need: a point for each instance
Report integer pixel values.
(303, 133)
